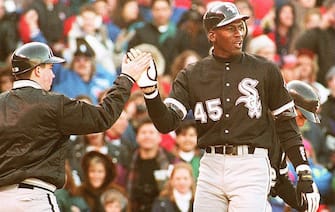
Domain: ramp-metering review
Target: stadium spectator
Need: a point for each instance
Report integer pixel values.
(66, 197)
(149, 167)
(182, 60)
(285, 31)
(6, 80)
(49, 22)
(84, 76)
(126, 19)
(191, 24)
(162, 33)
(307, 66)
(186, 143)
(263, 46)
(99, 174)
(178, 194)
(8, 34)
(114, 201)
(321, 41)
(328, 117)
(312, 19)
(88, 25)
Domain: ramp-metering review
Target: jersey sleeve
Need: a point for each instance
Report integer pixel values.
(279, 99)
(282, 107)
(167, 115)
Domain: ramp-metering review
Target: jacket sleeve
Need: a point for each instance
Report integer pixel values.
(77, 117)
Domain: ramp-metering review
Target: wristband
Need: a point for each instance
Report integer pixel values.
(149, 90)
(297, 156)
(304, 172)
(151, 95)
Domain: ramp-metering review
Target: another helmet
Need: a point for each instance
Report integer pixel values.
(305, 99)
(30, 55)
(221, 14)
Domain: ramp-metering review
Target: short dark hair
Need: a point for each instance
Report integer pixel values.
(153, 2)
(144, 120)
(26, 75)
(185, 125)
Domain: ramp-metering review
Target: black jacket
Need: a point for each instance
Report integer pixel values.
(35, 126)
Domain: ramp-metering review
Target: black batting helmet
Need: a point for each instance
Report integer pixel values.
(305, 99)
(30, 55)
(221, 14)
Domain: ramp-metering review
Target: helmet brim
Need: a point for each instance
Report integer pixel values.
(309, 115)
(226, 22)
(55, 59)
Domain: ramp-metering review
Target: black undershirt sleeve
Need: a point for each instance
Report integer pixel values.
(291, 141)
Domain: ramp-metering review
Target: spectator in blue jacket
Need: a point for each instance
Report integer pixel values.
(84, 77)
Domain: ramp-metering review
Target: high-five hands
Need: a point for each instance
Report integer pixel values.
(148, 78)
(135, 63)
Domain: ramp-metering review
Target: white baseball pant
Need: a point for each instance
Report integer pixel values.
(234, 183)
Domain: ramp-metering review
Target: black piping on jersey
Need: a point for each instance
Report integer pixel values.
(50, 202)
(176, 106)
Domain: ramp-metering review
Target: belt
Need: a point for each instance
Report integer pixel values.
(29, 186)
(231, 149)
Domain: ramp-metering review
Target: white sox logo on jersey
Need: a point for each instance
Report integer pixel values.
(251, 98)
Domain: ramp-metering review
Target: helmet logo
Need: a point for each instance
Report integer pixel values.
(230, 8)
(15, 69)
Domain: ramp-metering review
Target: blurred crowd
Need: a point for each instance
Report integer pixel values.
(131, 166)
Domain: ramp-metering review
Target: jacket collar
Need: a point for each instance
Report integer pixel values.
(26, 83)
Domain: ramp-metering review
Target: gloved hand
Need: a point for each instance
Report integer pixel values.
(307, 192)
(148, 78)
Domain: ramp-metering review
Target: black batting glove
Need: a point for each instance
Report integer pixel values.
(307, 192)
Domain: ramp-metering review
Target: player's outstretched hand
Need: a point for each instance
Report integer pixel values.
(135, 63)
(307, 192)
(149, 77)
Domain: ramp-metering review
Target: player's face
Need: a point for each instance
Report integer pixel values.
(228, 40)
(46, 76)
